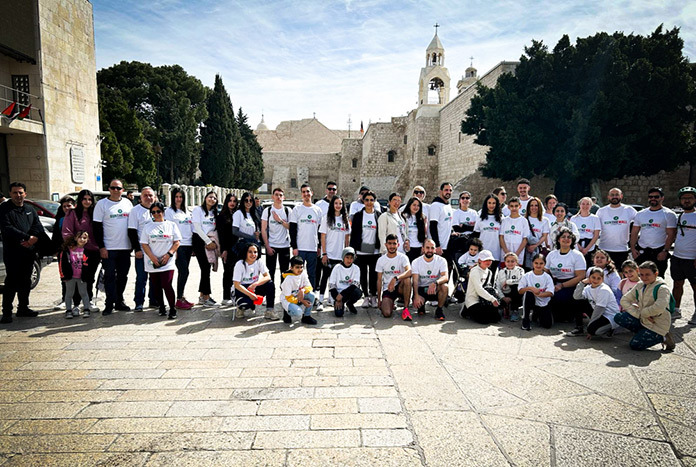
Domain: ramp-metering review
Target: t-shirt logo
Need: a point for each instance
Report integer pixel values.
(369, 222)
(560, 265)
(650, 220)
(684, 222)
(120, 211)
(393, 267)
(347, 277)
(512, 227)
(467, 218)
(491, 224)
(537, 285)
(309, 216)
(429, 271)
(584, 225)
(616, 218)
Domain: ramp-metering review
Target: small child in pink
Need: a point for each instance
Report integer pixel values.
(629, 269)
(72, 260)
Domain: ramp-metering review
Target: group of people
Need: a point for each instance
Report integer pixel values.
(517, 258)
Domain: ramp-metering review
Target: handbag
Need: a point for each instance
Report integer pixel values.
(488, 287)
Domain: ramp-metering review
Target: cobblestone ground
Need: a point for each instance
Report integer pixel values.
(134, 389)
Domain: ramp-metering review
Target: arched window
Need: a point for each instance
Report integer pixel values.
(431, 150)
(391, 155)
(354, 163)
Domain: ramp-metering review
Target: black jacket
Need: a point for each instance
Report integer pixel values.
(17, 224)
(356, 230)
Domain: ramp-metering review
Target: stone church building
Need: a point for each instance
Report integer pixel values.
(424, 147)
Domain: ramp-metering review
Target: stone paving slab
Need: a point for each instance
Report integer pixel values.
(206, 389)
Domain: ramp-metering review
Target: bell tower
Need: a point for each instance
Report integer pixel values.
(434, 82)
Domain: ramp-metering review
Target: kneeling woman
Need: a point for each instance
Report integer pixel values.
(480, 304)
(646, 310)
(566, 265)
(159, 241)
(252, 282)
(344, 283)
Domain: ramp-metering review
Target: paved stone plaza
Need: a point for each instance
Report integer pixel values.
(136, 389)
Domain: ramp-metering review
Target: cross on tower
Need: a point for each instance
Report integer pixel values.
(472, 61)
(349, 122)
(436, 26)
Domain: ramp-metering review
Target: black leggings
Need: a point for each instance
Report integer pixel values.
(597, 324)
(542, 314)
(367, 265)
(350, 294)
(227, 272)
(484, 314)
(325, 273)
(199, 250)
(283, 255)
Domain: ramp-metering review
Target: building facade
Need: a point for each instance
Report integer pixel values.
(47, 61)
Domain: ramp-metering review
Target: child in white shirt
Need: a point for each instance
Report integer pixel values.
(506, 283)
(344, 283)
(296, 293)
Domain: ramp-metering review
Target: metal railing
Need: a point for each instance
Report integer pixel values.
(22, 99)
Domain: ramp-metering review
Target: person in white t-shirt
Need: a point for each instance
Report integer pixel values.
(602, 302)
(159, 241)
(305, 220)
(296, 295)
(441, 222)
(252, 282)
(654, 230)
(359, 204)
(110, 225)
(335, 233)
(550, 202)
(463, 223)
(488, 226)
(683, 265)
(275, 230)
(365, 241)
(203, 219)
(417, 226)
(429, 278)
(589, 228)
(523, 187)
(138, 219)
(615, 221)
(501, 194)
(419, 193)
(180, 215)
(391, 222)
(393, 279)
(325, 202)
(344, 283)
(567, 267)
(514, 231)
(537, 289)
(560, 212)
(539, 229)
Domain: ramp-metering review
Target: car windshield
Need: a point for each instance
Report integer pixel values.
(49, 206)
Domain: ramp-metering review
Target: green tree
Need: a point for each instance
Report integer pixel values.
(251, 159)
(220, 139)
(607, 107)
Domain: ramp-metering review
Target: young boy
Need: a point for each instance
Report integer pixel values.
(344, 283)
(506, 283)
(296, 293)
(464, 264)
(514, 231)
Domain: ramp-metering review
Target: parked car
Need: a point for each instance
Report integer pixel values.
(105, 194)
(44, 207)
(39, 264)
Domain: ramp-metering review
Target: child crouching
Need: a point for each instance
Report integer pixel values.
(344, 283)
(296, 293)
(506, 282)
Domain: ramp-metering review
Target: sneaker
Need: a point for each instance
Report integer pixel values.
(183, 304)
(668, 344)
(514, 315)
(163, 311)
(27, 313)
(677, 314)
(138, 308)
(108, 310)
(59, 306)
(6, 319)
(338, 312)
(439, 315)
(92, 307)
(122, 307)
(68, 315)
(579, 331)
(431, 303)
(152, 304)
(172, 313)
(421, 310)
(405, 315)
(271, 315)
(286, 317)
(308, 320)
(201, 301)
(227, 302)
(526, 324)
(352, 309)
(76, 312)
(365, 303)
(319, 305)
(240, 312)
(86, 313)
(692, 321)
(373, 302)
(210, 302)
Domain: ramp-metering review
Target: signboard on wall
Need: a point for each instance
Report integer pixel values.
(77, 164)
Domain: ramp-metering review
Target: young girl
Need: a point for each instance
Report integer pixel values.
(480, 304)
(335, 234)
(629, 269)
(536, 288)
(296, 293)
(602, 301)
(506, 284)
(72, 261)
(252, 282)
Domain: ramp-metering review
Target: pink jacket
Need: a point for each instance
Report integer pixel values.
(72, 225)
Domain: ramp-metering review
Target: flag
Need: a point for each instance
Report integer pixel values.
(24, 113)
(9, 110)
(361, 127)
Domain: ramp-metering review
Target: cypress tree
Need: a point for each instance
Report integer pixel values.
(252, 159)
(219, 138)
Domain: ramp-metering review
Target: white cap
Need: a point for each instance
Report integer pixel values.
(485, 255)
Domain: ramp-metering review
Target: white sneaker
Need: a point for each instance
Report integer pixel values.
(319, 305)
(373, 302)
(227, 302)
(59, 306)
(366, 303)
(211, 302)
(76, 312)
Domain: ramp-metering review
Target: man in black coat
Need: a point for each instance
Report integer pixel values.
(21, 233)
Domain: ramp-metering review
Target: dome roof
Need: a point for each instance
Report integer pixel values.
(262, 125)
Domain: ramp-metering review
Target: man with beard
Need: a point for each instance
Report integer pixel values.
(615, 221)
(429, 273)
(523, 187)
(653, 229)
(683, 264)
(394, 279)
(441, 222)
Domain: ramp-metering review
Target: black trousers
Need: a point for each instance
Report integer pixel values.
(368, 275)
(227, 273)
(326, 273)
(414, 253)
(484, 314)
(650, 254)
(18, 268)
(116, 268)
(350, 294)
(202, 258)
(283, 255)
(542, 314)
(618, 257)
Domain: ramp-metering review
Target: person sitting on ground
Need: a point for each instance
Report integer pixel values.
(465, 262)
(536, 288)
(481, 304)
(506, 282)
(296, 293)
(602, 301)
(429, 273)
(344, 283)
(646, 310)
(252, 282)
(393, 279)
(566, 266)
(629, 269)
(603, 261)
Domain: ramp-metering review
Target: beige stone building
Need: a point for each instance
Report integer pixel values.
(47, 60)
(424, 147)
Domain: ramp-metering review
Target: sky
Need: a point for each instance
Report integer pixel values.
(350, 59)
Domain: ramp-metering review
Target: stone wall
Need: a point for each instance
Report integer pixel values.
(348, 177)
(316, 168)
(69, 75)
(28, 163)
(376, 171)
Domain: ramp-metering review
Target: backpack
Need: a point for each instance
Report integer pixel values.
(671, 306)
(268, 212)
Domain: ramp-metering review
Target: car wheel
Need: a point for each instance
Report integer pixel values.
(35, 274)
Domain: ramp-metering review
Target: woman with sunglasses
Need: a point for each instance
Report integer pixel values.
(180, 215)
(246, 225)
(203, 218)
(159, 241)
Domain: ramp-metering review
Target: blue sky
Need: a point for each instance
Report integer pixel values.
(357, 58)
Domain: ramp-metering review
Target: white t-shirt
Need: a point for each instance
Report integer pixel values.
(442, 214)
(613, 280)
(307, 219)
(183, 221)
(467, 261)
(244, 222)
(550, 217)
(544, 282)
(391, 267)
(563, 266)
(206, 221)
(335, 236)
(653, 226)
(428, 272)
(426, 209)
(291, 285)
(587, 226)
(139, 217)
(513, 232)
(413, 232)
(342, 277)
(523, 206)
(466, 218)
(369, 231)
(278, 236)
(685, 245)
(616, 227)
(540, 227)
(246, 273)
(356, 206)
(505, 211)
(604, 297)
(160, 236)
(323, 205)
(556, 227)
(114, 218)
(489, 230)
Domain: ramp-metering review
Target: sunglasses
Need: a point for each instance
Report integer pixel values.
(119, 188)
(156, 211)
(418, 192)
(465, 197)
(503, 193)
(331, 189)
(654, 196)
(248, 200)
